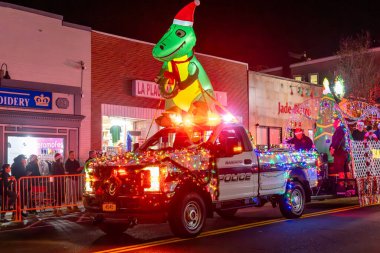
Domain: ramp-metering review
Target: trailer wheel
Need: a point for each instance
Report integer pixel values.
(187, 216)
(226, 214)
(292, 203)
(113, 228)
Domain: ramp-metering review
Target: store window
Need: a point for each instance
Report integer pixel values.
(268, 137)
(274, 136)
(44, 147)
(120, 134)
(262, 136)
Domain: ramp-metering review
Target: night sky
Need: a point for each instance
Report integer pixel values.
(260, 33)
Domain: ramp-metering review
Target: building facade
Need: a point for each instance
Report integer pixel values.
(125, 99)
(314, 71)
(277, 106)
(45, 105)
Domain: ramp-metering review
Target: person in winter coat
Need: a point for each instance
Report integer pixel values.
(91, 155)
(359, 133)
(18, 167)
(18, 170)
(73, 193)
(338, 149)
(301, 141)
(32, 168)
(59, 182)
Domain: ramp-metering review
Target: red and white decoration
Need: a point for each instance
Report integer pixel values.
(366, 162)
(185, 16)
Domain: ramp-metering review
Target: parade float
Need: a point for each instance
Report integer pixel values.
(201, 161)
(362, 178)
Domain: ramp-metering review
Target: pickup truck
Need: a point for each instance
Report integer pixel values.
(181, 176)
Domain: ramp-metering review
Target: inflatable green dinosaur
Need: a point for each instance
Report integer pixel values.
(182, 80)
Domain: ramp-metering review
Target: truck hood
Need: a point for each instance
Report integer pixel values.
(196, 158)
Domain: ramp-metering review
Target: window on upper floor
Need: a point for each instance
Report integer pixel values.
(313, 78)
(297, 78)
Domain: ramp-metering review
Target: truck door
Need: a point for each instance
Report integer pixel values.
(236, 173)
(273, 179)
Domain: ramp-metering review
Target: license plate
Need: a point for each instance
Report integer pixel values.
(109, 207)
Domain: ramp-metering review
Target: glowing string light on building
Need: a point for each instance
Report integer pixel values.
(339, 89)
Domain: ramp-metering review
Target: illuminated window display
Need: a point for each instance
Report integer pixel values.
(43, 147)
(119, 134)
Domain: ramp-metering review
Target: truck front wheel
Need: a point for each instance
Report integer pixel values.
(292, 203)
(188, 215)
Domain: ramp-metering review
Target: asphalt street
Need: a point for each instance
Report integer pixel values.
(327, 226)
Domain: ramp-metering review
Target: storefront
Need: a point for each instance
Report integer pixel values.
(125, 99)
(45, 98)
(41, 121)
(124, 126)
(279, 105)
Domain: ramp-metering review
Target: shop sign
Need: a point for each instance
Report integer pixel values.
(148, 89)
(145, 89)
(282, 109)
(25, 99)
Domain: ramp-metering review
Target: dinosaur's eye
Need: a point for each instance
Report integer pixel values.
(180, 33)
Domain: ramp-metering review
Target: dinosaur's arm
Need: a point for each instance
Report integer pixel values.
(160, 75)
(192, 68)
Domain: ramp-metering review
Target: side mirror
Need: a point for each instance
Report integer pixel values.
(233, 147)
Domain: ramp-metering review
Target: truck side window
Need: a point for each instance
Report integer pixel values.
(222, 140)
(181, 140)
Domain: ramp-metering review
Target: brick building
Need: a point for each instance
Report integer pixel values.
(122, 114)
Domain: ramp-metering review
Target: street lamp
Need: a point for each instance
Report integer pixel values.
(4, 72)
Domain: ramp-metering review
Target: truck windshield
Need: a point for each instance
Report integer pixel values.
(176, 138)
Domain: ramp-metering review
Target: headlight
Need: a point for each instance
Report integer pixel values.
(88, 186)
(151, 180)
(89, 178)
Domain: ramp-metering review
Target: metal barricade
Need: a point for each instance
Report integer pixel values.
(40, 193)
(8, 197)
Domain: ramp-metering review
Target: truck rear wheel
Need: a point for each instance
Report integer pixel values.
(226, 214)
(113, 228)
(292, 203)
(188, 215)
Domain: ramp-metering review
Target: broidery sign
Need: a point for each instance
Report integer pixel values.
(25, 99)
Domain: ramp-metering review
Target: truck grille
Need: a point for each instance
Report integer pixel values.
(113, 185)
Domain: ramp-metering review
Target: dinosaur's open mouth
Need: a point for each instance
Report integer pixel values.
(178, 48)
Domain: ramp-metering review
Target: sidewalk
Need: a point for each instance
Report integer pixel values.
(33, 219)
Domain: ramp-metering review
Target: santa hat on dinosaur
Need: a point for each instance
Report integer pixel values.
(185, 16)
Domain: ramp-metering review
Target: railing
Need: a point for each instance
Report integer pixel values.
(31, 194)
(8, 198)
